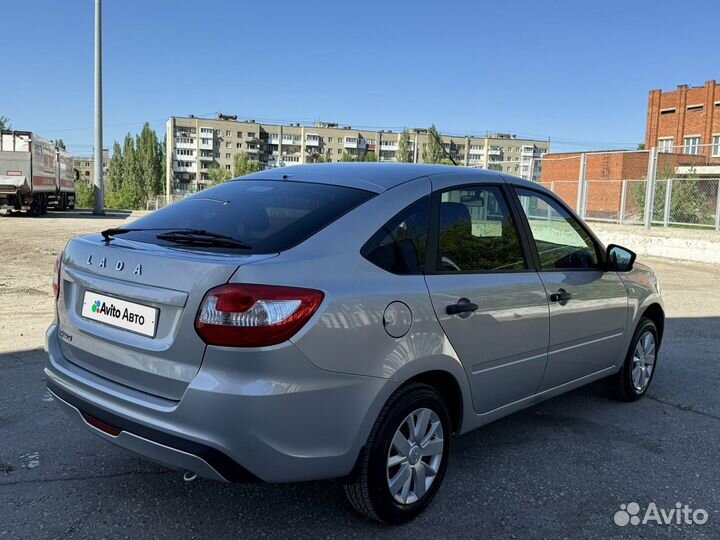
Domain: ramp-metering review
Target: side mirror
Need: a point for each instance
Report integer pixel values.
(619, 258)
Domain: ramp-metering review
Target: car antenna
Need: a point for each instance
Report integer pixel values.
(437, 140)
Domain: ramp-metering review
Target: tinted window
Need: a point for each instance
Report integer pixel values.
(271, 216)
(477, 232)
(560, 240)
(400, 245)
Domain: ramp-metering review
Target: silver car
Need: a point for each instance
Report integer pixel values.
(342, 321)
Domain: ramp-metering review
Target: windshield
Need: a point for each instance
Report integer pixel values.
(269, 216)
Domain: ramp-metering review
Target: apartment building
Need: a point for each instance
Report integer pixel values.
(195, 145)
(686, 119)
(86, 167)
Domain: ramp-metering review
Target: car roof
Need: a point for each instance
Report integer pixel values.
(376, 177)
(379, 177)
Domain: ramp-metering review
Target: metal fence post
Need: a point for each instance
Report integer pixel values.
(650, 187)
(582, 187)
(717, 208)
(623, 201)
(552, 188)
(668, 200)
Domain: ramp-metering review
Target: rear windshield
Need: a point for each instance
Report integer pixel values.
(271, 216)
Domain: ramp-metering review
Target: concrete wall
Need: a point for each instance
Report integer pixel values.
(680, 244)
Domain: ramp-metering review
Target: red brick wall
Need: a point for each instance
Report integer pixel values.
(604, 172)
(683, 123)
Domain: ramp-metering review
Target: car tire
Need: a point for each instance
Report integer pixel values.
(418, 466)
(638, 370)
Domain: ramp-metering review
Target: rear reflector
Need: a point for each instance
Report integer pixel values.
(243, 315)
(102, 426)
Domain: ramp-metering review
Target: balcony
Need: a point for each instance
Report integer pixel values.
(392, 147)
(187, 145)
(312, 141)
(178, 168)
(356, 143)
(495, 152)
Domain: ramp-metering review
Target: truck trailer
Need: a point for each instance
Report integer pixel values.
(34, 174)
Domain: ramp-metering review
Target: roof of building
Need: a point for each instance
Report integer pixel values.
(377, 177)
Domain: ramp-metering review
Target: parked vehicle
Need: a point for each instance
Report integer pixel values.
(343, 321)
(34, 174)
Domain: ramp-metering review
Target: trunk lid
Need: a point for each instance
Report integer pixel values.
(170, 280)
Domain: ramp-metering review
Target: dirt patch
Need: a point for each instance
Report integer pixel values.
(28, 247)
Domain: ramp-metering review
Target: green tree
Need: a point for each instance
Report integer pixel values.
(4, 123)
(60, 144)
(347, 157)
(434, 151)
(404, 153)
(132, 192)
(162, 146)
(149, 164)
(115, 170)
(242, 165)
(84, 192)
(218, 175)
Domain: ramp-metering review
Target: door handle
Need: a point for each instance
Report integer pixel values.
(463, 305)
(561, 296)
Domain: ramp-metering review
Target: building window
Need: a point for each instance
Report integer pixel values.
(227, 167)
(228, 145)
(227, 156)
(665, 146)
(694, 108)
(716, 146)
(339, 150)
(239, 145)
(239, 134)
(330, 139)
(692, 145)
(228, 133)
(667, 111)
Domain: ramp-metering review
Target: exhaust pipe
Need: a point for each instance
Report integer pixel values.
(189, 476)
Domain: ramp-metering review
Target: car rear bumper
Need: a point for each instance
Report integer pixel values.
(271, 416)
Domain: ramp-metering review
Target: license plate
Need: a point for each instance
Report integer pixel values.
(120, 313)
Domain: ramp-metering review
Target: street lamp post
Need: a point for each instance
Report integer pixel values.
(98, 208)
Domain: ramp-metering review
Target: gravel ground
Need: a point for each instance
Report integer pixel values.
(558, 470)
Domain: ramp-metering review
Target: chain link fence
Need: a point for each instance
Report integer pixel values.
(676, 186)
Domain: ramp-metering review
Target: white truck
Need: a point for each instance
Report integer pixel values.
(34, 174)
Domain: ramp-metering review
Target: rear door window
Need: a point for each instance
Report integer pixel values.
(271, 216)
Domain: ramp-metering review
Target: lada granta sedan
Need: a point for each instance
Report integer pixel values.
(342, 321)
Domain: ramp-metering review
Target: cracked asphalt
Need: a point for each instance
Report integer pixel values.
(558, 470)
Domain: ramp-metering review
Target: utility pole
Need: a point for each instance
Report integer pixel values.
(98, 208)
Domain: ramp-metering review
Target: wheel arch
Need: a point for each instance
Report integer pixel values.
(656, 314)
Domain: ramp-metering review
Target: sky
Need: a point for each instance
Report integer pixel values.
(576, 72)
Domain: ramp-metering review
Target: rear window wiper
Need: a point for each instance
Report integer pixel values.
(203, 238)
(107, 233)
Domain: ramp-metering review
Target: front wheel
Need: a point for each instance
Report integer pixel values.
(634, 378)
(404, 462)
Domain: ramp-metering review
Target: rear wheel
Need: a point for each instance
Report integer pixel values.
(404, 462)
(633, 380)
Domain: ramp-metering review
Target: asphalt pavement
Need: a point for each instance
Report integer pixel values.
(561, 469)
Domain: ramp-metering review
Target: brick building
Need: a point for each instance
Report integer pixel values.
(686, 119)
(561, 172)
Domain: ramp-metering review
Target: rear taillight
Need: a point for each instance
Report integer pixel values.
(56, 275)
(244, 315)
